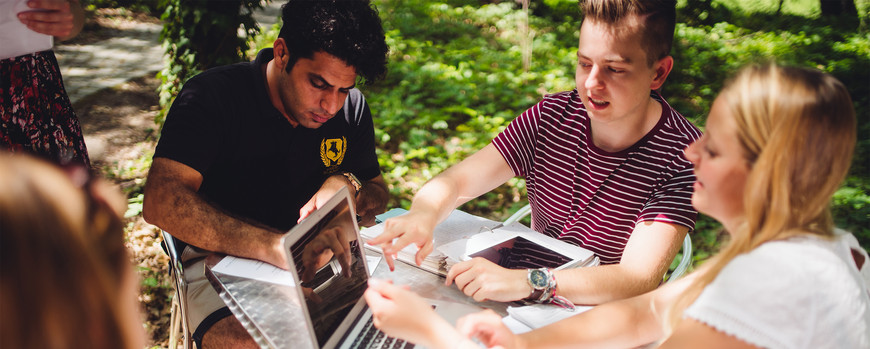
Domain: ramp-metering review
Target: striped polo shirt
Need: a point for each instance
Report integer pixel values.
(594, 198)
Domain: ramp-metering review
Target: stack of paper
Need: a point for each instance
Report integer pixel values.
(458, 226)
(526, 318)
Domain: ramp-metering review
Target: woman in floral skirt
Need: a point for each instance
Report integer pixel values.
(36, 115)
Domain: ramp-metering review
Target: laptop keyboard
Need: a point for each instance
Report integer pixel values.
(372, 338)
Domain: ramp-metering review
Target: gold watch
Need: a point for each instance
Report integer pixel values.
(354, 182)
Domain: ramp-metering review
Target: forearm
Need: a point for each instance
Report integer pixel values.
(372, 199)
(627, 323)
(645, 259)
(376, 191)
(601, 284)
(481, 172)
(184, 214)
(437, 198)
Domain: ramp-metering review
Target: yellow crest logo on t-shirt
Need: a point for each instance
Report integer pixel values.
(332, 151)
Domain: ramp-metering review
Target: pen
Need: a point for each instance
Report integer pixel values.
(491, 230)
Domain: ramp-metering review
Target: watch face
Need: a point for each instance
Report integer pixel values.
(538, 279)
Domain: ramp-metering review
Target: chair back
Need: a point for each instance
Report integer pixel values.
(178, 321)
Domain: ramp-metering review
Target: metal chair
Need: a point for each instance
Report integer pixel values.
(178, 319)
(682, 267)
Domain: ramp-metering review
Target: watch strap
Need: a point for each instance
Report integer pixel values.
(547, 294)
(354, 182)
(536, 294)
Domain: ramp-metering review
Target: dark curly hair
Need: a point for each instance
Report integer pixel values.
(347, 29)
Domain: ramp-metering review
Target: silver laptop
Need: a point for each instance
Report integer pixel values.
(332, 284)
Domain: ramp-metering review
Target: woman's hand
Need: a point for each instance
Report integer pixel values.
(403, 314)
(488, 328)
(59, 18)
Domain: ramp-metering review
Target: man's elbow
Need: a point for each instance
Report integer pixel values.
(151, 206)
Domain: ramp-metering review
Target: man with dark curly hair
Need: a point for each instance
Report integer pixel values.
(250, 149)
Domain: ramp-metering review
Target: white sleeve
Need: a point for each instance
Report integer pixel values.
(786, 295)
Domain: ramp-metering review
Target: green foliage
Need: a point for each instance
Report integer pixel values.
(706, 238)
(201, 34)
(851, 209)
(134, 206)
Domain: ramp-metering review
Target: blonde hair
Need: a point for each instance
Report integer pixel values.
(796, 128)
(61, 277)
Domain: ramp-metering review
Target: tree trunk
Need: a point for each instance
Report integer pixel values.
(838, 7)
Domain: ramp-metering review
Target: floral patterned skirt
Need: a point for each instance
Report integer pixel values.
(36, 115)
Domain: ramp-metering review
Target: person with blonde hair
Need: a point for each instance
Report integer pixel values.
(66, 280)
(778, 144)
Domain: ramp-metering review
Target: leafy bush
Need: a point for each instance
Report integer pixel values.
(851, 209)
(201, 34)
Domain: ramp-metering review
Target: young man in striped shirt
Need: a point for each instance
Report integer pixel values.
(603, 166)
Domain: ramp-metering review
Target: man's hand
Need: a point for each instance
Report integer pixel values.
(330, 242)
(371, 200)
(275, 253)
(413, 227)
(488, 328)
(329, 187)
(483, 280)
(53, 17)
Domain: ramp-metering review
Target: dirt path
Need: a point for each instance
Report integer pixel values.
(122, 119)
(117, 112)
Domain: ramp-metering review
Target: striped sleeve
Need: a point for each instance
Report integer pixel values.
(517, 142)
(671, 202)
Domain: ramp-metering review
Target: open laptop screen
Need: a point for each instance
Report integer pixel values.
(332, 283)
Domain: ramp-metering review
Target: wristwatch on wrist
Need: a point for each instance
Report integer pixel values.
(543, 282)
(539, 279)
(357, 185)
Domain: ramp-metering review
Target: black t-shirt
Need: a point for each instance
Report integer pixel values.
(255, 165)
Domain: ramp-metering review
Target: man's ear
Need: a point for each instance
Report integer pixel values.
(662, 68)
(281, 55)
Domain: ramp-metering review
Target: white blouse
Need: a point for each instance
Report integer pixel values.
(804, 292)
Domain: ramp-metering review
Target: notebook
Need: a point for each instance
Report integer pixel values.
(332, 284)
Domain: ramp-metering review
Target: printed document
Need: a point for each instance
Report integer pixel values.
(15, 38)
